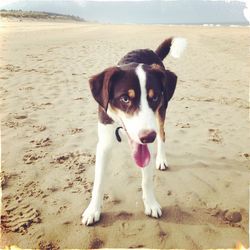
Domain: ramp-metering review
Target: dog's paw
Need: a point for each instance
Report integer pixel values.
(152, 208)
(161, 164)
(90, 216)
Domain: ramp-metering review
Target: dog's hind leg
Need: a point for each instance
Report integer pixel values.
(152, 207)
(106, 139)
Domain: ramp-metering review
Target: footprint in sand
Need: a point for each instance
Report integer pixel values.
(39, 143)
(162, 235)
(17, 214)
(60, 210)
(183, 125)
(35, 106)
(69, 185)
(77, 184)
(12, 124)
(137, 246)
(245, 155)
(74, 159)
(226, 216)
(5, 177)
(27, 88)
(39, 128)
(76, 131)
(45, 245)
(96, 243)
(77, 163)
(31, 189)
(12, 68)
(14, 121)
(62, 158)
(20, 117)
(215, 135)
(124, 215)
(19, 218)
(31, 157)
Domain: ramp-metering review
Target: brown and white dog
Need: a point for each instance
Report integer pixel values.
(134, 95)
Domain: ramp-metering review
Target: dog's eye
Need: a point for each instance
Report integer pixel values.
(155, 98)
(125, 99)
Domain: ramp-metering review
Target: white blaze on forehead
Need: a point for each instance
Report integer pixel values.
(142, 80)
(146, 114)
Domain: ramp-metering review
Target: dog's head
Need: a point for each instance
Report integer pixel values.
(136, 95)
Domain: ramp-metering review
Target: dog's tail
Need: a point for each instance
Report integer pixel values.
(174, 45)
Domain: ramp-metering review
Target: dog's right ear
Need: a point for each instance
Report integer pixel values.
(100, 85)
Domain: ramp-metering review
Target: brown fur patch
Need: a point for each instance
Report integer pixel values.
(161, 113)
(131, 93)
(127, 84)
(162, 132)
(151, 93)
(156, 67)
(161, 127)
(100, 85)
(103, 116)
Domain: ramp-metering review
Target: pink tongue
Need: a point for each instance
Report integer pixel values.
(141, 154)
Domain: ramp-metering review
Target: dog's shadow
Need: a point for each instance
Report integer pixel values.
(170, 214)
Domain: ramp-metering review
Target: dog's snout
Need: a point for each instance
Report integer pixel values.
(147, 136)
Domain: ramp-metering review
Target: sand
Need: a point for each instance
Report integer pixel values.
(49, 134)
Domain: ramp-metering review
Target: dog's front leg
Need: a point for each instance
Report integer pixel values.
(106, 139)
(161, 161)
(152, 207)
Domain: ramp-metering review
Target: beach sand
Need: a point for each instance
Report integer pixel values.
(49, 134)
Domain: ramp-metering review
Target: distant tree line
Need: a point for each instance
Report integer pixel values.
(38, 15)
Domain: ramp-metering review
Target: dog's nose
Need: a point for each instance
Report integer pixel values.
(147, 136)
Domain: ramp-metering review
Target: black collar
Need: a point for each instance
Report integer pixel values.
(118, 137)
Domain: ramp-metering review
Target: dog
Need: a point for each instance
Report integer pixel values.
(133, 96)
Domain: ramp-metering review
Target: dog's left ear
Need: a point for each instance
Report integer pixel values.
(168, 79)
(100, 85)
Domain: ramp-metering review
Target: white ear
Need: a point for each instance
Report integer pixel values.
(178, 46)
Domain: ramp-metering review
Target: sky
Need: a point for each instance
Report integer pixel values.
(246, 10)
(4, 2)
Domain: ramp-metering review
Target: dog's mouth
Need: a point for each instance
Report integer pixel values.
(140, 152)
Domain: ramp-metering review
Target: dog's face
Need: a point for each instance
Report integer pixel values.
(135, 95)
(135, 99)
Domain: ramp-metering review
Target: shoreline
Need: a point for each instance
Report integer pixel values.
(50, 20)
